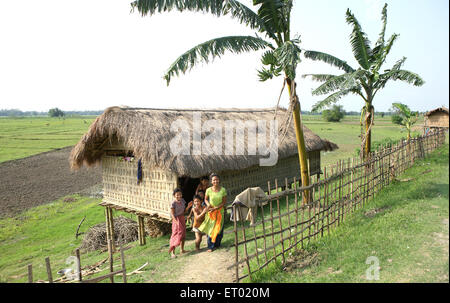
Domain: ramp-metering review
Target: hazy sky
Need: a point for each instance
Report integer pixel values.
(92, 54)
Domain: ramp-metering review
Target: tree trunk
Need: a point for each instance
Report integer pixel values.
(368, 138)
(304, 173)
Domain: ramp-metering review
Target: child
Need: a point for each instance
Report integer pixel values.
(199, 212)
(178, 223)
(201, 194)
(204, 184)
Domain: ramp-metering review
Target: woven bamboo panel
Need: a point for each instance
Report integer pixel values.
(120, 187)
(314, 162)
(257, 176)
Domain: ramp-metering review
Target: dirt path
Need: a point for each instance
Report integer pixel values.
(39, 179)
(204, 266)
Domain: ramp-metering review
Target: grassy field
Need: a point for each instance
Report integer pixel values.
(345, 134)
(49, 230)
(409, 236)
(414, 219)
(22, 137)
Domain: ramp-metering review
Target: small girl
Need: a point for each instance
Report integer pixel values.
(199, 212)
(178, 223)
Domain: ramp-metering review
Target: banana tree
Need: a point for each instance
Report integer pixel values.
(271, 21)
(407, 117)
(366, 80)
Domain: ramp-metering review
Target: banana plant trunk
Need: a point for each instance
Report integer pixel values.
(302, 155)
(368, 138)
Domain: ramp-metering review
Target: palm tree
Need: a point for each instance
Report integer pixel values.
(407, 118)
(364, 81)
(272, 23)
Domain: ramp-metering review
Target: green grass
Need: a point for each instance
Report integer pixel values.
(23, 137)
(345, 134)
(409, 235)
(49, 230)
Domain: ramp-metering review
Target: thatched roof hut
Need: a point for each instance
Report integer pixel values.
(148, 134)
(437, 118)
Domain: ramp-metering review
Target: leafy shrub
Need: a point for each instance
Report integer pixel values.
(335, 114)
(396, 119)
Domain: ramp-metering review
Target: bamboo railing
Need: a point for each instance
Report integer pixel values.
(283, 223)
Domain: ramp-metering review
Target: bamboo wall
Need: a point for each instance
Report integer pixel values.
(437, 119)
(152, 196)
(283, 223)
(256, 176)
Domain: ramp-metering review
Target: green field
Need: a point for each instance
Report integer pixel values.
(409, 237)
(400, 233)
(23, 137)
(345, 134)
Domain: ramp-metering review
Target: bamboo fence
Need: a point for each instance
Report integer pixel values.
(283, 222)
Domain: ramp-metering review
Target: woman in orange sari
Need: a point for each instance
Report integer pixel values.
(212, 226)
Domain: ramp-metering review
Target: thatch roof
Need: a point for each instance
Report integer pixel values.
(439, 109)
(146, 132)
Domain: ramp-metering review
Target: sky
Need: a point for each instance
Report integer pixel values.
(93, 54)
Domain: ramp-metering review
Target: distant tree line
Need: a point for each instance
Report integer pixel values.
(19, 113)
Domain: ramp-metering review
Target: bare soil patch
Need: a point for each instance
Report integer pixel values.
(40, 179)
(206, 267)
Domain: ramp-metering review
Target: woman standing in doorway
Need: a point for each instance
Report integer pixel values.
(215, 199)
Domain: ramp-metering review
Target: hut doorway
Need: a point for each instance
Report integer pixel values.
(188, 186)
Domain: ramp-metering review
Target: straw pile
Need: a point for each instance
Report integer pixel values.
(125, 231)
(155, 228)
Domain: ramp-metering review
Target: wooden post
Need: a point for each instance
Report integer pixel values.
(141, 230)
(281, 225)
(111, 226)
(49, 270)
(77, 253)
(111, 260)
(109, 240)
(326, 192)
(339, 171)
(124, 269)
(296, 213)
(108, 229)
(236, 256)
(289, 215)
(30, 273)
(351, 183)
(244, 238)
(271, 221)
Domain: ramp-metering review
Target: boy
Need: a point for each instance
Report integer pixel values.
(199, 212)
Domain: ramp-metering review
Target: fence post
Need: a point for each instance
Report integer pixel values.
(236, 255)
(77, 253)
(124, 269)
(296, 213)
(281, 225)
(30, 273)
(49, 270)
(244, 238)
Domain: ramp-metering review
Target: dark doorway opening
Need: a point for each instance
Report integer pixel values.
(188, 186)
